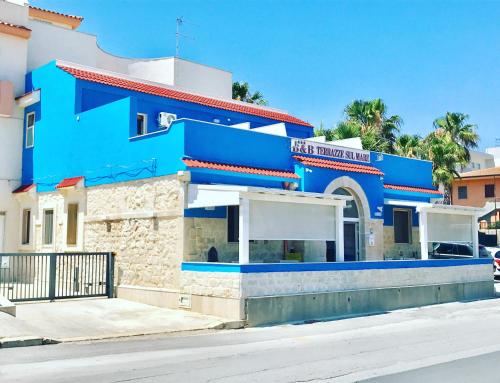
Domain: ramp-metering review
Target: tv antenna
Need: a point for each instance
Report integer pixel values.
(178, 35)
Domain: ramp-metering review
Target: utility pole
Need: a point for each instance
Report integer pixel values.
(179, 21)
(178, 35)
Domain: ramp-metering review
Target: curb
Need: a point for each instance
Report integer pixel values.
(23, 341)
(38, 341)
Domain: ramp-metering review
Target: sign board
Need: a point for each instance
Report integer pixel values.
(329, 151)
(4, 262)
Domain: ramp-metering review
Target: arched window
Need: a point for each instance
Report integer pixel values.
(351, 209)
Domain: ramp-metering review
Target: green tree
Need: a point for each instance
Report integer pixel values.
(369, 121)
(448, 147)
(408, 145)
(241, 92)
(373, 120)
(455, 126)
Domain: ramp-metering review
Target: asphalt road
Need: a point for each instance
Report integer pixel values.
(477, 369)
(415, 343)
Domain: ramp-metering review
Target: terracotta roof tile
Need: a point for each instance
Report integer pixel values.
(24, 188)
(337, 165)
(67, 182)
(56, 13)
(160, 91)
(487, 172)
(412, 189)
(15, 30)
(239, 169)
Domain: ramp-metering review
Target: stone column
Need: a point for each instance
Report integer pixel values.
(422, 226)
(339, 233)
(244, 231)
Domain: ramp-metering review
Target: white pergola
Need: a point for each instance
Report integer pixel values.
(276, 214)
(445, 223)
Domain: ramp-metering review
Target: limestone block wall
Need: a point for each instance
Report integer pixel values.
(142, 222)
(401, 250)
(375, 252)
(211, 284)
(285, 283)
(203, 233)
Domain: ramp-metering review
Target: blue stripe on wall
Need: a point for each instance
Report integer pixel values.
(298, 267)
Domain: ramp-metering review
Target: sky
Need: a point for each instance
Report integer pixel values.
(312, 58)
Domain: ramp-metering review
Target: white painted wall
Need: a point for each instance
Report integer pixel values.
(495, 152)
(480, 160)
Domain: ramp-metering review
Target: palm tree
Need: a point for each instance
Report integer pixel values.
(372, 116)
(460, 132)
(408, 145)
(370, 139)
(241, 92)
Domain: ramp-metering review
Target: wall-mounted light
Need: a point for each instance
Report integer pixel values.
(380, 157)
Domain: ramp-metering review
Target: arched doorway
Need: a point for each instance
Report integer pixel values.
(355, 215)
(351, 227)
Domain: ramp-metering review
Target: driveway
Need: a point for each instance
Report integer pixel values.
(87, 319)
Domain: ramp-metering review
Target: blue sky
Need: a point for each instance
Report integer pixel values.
(312, 58)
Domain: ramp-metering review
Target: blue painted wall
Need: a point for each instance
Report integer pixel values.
(88, 129)
(404, 171)
(389, 215)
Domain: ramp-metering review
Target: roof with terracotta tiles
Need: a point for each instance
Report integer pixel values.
(412, 189)
(239, 169)
(161, 91)
(337, 165)
(487, 172)
(24, 188)
(56, 13)
(15, 30)
(68, 182)
(71, 21)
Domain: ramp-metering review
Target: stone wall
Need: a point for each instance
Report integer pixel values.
(401, 250)
(141, 221)
(284, 283)
(203, 233)
(211, 284)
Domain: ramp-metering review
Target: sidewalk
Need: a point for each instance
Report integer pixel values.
(93, 319)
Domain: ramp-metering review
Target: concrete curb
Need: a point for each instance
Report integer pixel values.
(26, 341)
(23, 341)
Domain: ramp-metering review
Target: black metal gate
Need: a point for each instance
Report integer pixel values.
(49, 276)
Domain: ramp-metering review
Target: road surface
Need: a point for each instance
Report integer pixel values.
(429, 342)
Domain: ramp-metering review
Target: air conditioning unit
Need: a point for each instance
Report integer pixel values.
(165, 119)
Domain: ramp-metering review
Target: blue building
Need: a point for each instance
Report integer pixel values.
(167, 179)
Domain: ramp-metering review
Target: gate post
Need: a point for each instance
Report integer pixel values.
(110, 270)
(52, 276)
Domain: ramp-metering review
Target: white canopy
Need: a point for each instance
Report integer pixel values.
(444, 223)
(276, 214)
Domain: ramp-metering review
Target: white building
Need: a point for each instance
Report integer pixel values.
(495, 153)
(31, 37)
(479, 160)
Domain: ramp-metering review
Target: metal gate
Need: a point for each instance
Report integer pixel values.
(49, 276)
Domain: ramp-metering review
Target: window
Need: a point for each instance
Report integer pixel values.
(462, 192)
(402, 226)
(489, 191)
(233, 223)
(72, 224)
(26, 225)
(30, 130)
(142, 124)
(48, 226)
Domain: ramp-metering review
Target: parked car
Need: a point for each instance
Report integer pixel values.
(449, 250)
(495, 253)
